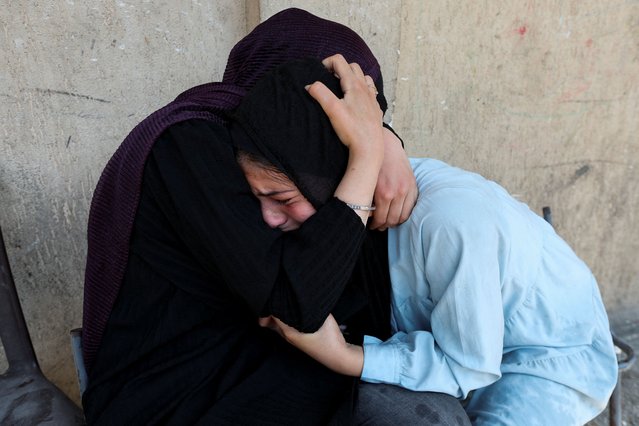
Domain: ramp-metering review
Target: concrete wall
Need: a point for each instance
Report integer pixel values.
(75, 77)
(541, 96)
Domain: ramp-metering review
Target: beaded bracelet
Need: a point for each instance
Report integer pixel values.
(362, 208)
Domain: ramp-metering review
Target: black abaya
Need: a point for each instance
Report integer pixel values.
(181, 346)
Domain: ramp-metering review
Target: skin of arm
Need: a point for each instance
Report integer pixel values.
(326, 345)
(357, 120)
(395, 190)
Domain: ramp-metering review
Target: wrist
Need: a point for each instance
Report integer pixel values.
(358, 183)
(366, 161)
(353, 363)
(372, 148)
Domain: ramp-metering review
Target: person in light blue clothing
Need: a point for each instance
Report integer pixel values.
(488, 299)
(488, 303)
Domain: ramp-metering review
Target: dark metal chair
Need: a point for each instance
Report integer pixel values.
(624, 360)
(26, 396)
(78, 359)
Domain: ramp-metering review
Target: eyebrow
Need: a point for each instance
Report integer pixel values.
(271, 193)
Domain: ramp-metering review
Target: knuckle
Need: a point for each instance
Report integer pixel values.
(339, 57)
(314, 88)
(386, 194)
(393, 219)
(404, 189)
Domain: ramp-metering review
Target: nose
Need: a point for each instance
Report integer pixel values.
(273, 217)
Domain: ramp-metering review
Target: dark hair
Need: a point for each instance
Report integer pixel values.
(280, 121)
(246, 157)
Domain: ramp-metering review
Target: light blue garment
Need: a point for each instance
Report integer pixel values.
(483, 288)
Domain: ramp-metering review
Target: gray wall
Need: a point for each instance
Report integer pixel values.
(542, 97)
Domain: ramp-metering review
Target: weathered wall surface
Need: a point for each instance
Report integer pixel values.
(541, 96)
(75, 77)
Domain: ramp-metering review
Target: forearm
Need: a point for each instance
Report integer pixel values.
(358, 184)
(350, 363)
(334, 353)
(327, 345)
(357, 121)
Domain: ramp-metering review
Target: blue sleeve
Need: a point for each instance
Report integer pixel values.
(460, 262)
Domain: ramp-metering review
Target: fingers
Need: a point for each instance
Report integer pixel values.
(378, 219)
(381, 222)
(388, 209)
(283, 327)
(391, 212)
(270, 323)
(356, 117)
(371, 85)
(265, 321)
(289, 333)
(357, 70)
(325, 97)
(349, 74)
(392, 208)
(409, 204)
(389, 215)
(396, 190)
(338, 65)
(335, 63)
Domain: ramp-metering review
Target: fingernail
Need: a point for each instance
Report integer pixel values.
(307, 86)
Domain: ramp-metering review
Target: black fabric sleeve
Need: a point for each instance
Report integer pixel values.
(325, 248)
(297, 276)
(386, 125)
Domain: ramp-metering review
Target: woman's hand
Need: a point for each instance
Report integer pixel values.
(357, 120)
(357, 117)
(396, 191)
(327, 345)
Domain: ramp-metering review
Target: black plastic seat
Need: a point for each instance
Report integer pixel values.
(26, 396)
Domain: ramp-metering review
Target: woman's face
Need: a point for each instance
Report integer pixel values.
(283, 205)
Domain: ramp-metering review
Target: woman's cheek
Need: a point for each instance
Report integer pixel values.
(302, 212)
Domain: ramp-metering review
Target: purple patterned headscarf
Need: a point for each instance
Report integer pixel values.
(288, 35)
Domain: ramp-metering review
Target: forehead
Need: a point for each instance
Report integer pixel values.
(266, 181)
